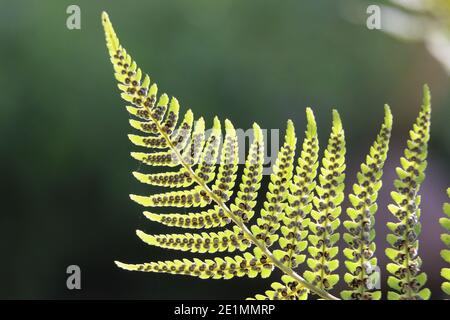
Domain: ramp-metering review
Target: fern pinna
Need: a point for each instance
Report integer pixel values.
(299, 219)
(407, 279)
(361, 263)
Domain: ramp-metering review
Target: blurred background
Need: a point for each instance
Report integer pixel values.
(65, 152)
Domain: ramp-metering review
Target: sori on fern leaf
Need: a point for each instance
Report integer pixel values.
(299, 219)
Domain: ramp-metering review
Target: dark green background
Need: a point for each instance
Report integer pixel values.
(66, 170)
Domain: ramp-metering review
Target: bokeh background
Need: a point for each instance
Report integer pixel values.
(66, 169)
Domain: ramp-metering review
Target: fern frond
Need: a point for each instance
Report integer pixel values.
(248, 264)
(184, 147)
(445, 253)
(327, 204)
(275, 204)
(407, 279)
(361, 262)
(289, 289)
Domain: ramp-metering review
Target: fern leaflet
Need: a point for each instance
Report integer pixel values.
(407, 280)
(361, 262)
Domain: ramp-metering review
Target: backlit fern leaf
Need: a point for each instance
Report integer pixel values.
(361, 262)
(445, 253)
(295, 221)
(201, 172)
(326, 212)
(407, 279)
(186, 148)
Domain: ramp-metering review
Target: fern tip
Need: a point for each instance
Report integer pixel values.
(290, 133)
(426, 105)
(337, 123)
(387, 116)
(311, 126)
(124, 266)
(257, 132)
(147, 238)
(228, 124)
(105, 16)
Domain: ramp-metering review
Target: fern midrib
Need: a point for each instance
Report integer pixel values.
(248, 234)
(324, 248)
(362, 288)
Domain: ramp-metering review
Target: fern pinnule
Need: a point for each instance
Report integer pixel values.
(327, 209)
(360, 237)
(407, 279)
(445, 253)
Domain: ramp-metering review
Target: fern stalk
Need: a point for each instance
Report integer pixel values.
(114, 50)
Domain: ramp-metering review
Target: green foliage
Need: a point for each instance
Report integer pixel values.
(299, 218)
(407, 279)
(361, 262)
(445, 237)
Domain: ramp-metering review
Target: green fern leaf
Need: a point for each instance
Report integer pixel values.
(407, 280)
(361, 262)
(445, 223)
(184, 147)
(327, 204)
